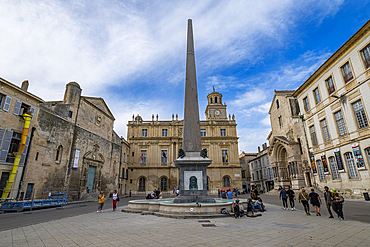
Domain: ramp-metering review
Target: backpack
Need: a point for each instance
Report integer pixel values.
(224, 211)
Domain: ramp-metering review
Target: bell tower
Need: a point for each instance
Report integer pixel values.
(216, 110)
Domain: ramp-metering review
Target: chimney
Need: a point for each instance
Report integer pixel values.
(25, 85)
(259, 149)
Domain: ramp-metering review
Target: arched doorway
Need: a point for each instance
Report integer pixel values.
(226, 181)
(142, 184)
(163, 184)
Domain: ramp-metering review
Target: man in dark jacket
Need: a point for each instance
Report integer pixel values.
(291, 196)
(329, 202)
(284, 198)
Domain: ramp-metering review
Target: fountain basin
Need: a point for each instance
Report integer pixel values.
(168, 207)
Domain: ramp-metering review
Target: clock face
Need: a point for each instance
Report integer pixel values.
(217, 112)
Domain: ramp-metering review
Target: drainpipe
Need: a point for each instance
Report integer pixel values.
(18, 156)
(26, 159)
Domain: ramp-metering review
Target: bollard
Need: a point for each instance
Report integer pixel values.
(33, 195)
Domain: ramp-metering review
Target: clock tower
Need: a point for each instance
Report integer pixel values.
(215, 110)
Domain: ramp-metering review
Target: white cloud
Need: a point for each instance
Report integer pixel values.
(130, 44)
(256, 95)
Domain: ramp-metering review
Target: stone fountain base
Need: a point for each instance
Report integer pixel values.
(166, 207)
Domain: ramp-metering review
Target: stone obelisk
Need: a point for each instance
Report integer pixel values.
(192, 161)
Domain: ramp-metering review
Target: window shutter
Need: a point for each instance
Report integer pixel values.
(23, 157)
(1, 135)
(8, 100)
(6, 145)
(32, 109)
(17, 107)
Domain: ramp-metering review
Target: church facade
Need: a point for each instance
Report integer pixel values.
(73, 147)
(154, 146)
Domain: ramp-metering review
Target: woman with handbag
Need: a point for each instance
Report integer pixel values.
(115, 199)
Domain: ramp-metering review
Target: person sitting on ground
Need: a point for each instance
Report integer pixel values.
(236, 209)
(255, 194)
(229, 194)
(153, 195)
(250, 206)
(258, 204)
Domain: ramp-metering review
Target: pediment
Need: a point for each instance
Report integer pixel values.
(100, 104)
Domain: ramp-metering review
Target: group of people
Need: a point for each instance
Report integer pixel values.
(101, 200)
(251, 207)
(228, 194)
(156, 194)
(332, 200)
(176, 191)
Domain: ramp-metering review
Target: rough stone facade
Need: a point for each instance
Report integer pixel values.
(74, 146)
(13, 101)
(288, 150)
(335, 102)
(154, 146)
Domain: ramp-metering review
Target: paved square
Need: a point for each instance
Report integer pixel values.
(275, 228)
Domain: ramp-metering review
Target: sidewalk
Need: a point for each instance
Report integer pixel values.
(276, 227)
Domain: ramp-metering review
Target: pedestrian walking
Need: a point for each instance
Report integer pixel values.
(130, 194)
(291, 196)
(303, 198)
(115, 199)
(337, 203)
(315, 201)
(284, 198)
(329, 202)
(101, 200)
(218, 192)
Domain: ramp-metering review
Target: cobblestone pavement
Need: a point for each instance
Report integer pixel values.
(276, 227)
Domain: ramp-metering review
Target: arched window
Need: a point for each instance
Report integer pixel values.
(211, 100)
(277, 104)
(58, 157)
(163, 184)
(226, 181)
(142, 184)
(215, 99)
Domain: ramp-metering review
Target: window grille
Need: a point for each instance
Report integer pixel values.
(366, 55)
(321, 170)
(313, 135)
(340, 123)
(330, 85)
(351, 165)
(360, 114)
(334, 168)
(346, 72)
(306, 104)
(325, 130)
(316, 94)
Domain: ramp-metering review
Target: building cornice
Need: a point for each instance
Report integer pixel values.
(333, 58)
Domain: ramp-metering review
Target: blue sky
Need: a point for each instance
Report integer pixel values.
(132, 53)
